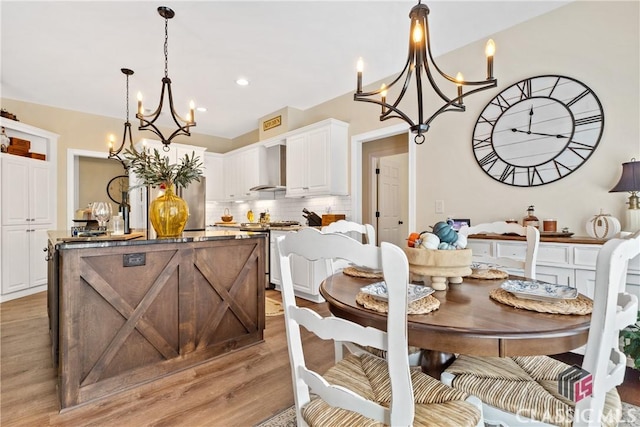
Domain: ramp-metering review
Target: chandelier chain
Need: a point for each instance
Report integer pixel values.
(127, 98)
(150, 122)
(166, 47)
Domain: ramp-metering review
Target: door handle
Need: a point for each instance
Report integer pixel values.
(400, 222)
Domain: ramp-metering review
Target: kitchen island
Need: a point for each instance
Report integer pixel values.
(127, 312)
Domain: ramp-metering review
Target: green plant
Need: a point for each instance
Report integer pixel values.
(155, 170)
(631, 342)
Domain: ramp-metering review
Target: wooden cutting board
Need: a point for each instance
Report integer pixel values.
(103, 237)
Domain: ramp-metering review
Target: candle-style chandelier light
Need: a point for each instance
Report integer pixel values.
(115, 154)
(147, 122)
(420, 59)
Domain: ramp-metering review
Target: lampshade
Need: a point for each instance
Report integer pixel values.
(630, 179)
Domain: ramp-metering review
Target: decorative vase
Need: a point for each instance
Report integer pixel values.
(168, 214)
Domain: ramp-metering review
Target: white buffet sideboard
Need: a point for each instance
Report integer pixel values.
(565, 260)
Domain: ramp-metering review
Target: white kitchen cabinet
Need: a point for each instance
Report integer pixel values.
(28, 197)
(25, 195)
(317, 163)
(243, 169)
(275, 277)
(214, 173)
(571, 264)
(306, 275)
(24, 265)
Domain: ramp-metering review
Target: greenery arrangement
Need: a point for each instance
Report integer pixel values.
(155, 170)
(631, 342)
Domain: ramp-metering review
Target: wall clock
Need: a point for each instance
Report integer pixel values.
(116, 187)
(538, 130)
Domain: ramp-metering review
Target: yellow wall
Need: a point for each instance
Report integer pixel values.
(597, 43)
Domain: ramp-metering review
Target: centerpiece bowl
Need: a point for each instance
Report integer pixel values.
(440, 265)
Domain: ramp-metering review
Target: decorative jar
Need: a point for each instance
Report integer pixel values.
(168, 214)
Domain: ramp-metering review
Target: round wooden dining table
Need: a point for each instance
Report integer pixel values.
(468, 321)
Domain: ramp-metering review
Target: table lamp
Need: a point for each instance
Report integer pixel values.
(630, 181)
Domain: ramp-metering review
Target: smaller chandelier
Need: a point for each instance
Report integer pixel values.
(147, 122)
(419, 59)
(115, 154)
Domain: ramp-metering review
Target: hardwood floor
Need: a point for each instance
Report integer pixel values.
(239, 389)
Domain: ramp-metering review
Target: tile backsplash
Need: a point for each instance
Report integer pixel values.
(280, 209)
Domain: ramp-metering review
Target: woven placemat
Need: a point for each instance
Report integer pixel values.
(422, 306)
(579, 305)
(488, 273)
(355, 272)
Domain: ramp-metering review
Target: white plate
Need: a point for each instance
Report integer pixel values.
(541, 291)
(476, 265)
(378, 290)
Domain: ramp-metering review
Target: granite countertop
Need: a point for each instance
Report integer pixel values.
(237, 225)
(63, 240)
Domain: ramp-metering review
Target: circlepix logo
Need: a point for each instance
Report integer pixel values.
(575, 383)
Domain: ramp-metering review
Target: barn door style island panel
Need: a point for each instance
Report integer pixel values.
(126, 312)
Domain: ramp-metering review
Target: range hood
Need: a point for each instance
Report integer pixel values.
(276, 170)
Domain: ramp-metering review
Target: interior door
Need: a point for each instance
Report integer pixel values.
(390, 202)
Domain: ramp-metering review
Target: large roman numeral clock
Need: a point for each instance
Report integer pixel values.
(538, 131)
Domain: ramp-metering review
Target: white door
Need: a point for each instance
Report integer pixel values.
(390, 203)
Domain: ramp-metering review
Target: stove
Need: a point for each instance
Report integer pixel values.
(284, 224)
(257, 226)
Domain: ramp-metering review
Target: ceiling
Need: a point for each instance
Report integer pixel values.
(294, 53)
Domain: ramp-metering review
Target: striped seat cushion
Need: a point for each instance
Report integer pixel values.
(367, 375)
(383, 353)
(526, 386)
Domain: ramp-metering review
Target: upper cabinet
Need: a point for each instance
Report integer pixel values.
(25, 195)
(29, 186)
(316, 165)
(317, 160)
(243, 169)
(214, 164)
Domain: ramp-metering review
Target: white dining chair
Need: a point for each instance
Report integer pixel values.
(363, 389)
(347, 227)
(524, 390)
(526, 264)
(363, 233)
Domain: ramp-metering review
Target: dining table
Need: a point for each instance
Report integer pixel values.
(467, 321)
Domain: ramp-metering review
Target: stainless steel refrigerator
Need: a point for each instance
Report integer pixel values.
(195, 195)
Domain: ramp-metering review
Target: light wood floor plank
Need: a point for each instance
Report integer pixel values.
(239, 389)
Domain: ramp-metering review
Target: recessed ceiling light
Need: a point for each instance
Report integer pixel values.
(202, 109)
(242, 81)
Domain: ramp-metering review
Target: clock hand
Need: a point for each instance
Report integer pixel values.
(538, 133)
(530, 117)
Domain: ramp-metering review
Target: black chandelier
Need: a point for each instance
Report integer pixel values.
(115, 154)
(147, 122)
(419, 59)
